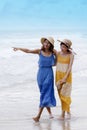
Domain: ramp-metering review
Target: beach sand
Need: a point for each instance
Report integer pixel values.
(19, 105)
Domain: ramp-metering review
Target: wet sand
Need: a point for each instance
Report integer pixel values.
(20, 103)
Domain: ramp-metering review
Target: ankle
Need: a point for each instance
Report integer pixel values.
(50, 116)
(36, 119)
(68, 113)
(63, 114)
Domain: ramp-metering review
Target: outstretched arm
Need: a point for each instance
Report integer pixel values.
(36, 51)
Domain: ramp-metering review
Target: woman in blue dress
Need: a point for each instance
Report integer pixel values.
(45, 77)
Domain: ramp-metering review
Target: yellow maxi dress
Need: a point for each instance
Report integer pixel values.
(64, 90)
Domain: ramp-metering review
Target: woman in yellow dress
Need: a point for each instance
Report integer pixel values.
(64, 76)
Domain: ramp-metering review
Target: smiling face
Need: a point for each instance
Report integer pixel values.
(63, 47)
(46, 44)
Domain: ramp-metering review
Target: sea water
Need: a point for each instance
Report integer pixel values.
(19, 67)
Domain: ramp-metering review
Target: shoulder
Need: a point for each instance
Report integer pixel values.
(38, 51)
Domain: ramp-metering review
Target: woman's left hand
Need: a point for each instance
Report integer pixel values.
(62, 81)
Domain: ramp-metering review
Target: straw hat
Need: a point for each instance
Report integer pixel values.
(67, 42)
(50, 39)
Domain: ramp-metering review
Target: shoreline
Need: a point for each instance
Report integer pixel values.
(19, 106)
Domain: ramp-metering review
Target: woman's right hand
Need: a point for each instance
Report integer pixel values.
(15, 48)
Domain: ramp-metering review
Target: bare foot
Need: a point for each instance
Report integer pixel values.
(36, 119)
(68, 115)
(61, 117)
(51, 116)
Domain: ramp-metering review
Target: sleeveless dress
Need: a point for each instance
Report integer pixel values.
(64, 90)
(45, 79)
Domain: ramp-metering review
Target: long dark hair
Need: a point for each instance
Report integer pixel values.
(50, 49)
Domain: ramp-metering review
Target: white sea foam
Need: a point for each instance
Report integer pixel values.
(19, 67)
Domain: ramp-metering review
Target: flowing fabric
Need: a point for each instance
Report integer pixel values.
(64, 90)
(45, 79)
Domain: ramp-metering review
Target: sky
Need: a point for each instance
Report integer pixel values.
(43, 14)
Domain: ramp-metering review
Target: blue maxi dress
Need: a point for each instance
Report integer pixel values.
(45, 79)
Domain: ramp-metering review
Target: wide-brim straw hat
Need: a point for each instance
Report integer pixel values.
(67, 42)
(50, 39)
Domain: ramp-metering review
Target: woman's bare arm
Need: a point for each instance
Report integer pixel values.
(35, 51)
(69, 69)
(70, 66)
(56, 54)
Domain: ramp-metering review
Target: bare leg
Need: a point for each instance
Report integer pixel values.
(68, 115)
(36, 119)
(62, 115)
(49, 111)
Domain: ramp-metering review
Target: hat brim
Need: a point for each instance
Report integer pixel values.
(63, 43)
(44, 38)
(59, 41)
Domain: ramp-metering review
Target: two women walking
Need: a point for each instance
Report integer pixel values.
(49, 57)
